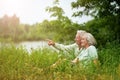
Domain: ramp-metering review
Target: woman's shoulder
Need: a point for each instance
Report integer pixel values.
(91, 47)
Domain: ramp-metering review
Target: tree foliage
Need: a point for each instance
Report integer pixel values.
(97, 8)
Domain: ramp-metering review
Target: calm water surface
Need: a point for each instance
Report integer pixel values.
(31, 45)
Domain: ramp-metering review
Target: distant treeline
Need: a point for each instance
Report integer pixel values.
(104, 30)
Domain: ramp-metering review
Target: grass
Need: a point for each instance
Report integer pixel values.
(18, 64)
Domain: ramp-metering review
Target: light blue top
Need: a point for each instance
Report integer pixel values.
(87, 55)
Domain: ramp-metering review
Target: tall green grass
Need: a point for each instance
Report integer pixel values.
(18, 64)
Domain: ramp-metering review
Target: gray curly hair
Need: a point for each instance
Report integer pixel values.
(90, 38)
(81, 32)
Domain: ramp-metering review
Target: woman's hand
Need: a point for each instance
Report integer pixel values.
(76, 60)
(51, 43)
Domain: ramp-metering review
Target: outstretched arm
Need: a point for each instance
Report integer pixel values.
(61, 47)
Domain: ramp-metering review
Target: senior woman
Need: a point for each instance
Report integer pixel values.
(88, 53)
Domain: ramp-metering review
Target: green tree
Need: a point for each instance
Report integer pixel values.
(97, 8)
(62, 25)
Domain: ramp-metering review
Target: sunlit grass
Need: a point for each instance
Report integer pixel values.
(18, 64)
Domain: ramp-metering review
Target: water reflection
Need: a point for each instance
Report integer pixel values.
(31, 45)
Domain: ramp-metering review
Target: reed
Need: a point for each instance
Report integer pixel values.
(18, 64)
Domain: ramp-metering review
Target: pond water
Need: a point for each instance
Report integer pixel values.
(31, 45)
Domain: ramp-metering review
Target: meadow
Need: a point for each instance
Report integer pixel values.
(18, 64)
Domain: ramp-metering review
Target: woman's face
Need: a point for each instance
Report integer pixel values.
(78, 39)
(84, 42)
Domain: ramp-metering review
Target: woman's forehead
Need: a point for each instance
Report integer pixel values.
(77, 35)
(83, 37)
